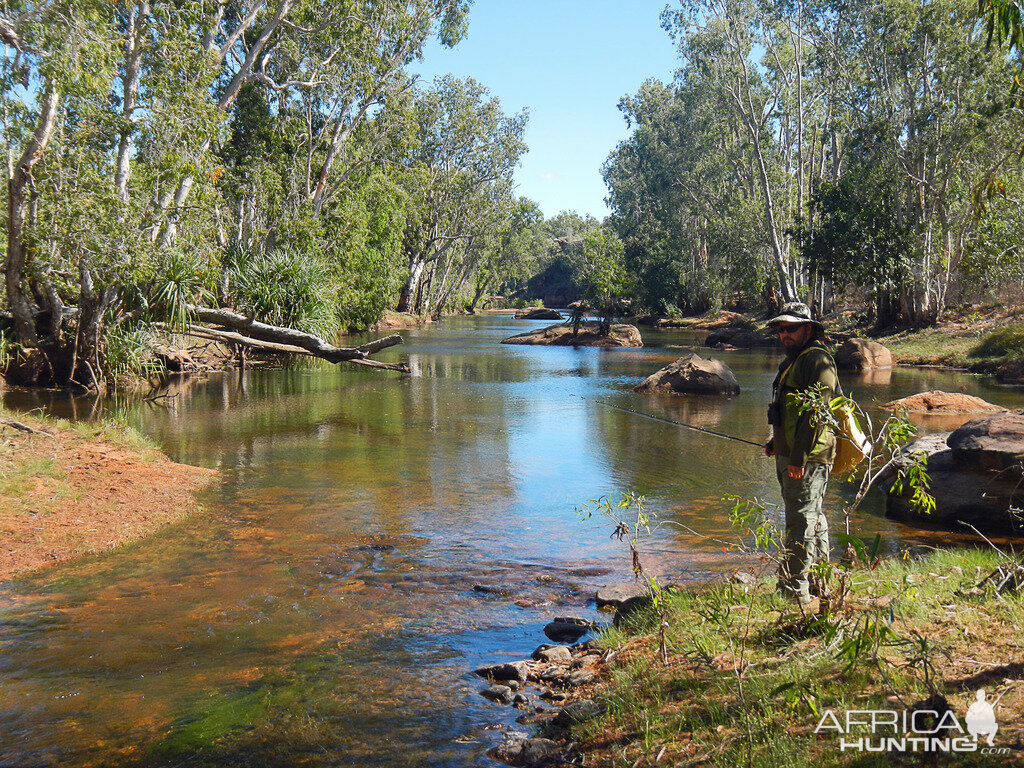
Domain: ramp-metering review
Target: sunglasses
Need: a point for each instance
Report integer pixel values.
(788, 328)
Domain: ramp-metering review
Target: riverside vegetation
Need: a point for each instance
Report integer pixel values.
(206, 165)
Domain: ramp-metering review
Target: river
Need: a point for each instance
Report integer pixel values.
(372, 538)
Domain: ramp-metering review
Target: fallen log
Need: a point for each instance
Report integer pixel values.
(287, 341)
(316, 346)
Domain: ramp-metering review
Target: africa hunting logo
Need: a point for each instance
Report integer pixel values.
(936, 729)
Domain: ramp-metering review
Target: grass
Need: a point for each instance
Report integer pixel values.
(1006, 342)
(930, 346)
(749, 676)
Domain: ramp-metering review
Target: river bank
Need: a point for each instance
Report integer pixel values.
(742, 677)
(982, 339)
(70, 490)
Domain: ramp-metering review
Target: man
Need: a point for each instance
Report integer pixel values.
(803, 451)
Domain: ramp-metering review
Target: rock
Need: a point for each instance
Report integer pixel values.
(499, 693)
(584, 662)
(510, 748)
(619, 335)
(741, 338)
(538, 313)
(991, 442)
(537, 751)
(515, 670)
(630, 608)
(963, 495)
(692, 374)
(939, 402)
(862, 355)
(617, 594)
(578, 712)
(566, 630)
(554, 654)
(744, 578)
(579, 677)
(520, 700)
(539, 715)
(488, 589)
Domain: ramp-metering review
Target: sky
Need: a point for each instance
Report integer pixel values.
(569, 62)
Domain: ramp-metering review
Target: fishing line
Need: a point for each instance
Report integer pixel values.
(677, 423)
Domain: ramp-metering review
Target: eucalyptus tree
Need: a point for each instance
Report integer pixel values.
(936, 132)
(685, 197)
(511, 252)
(111, 115)
(719, 39)
(465, 144)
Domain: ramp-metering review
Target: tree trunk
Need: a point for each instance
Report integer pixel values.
(253, 329)
(406, 297)
(17, 218)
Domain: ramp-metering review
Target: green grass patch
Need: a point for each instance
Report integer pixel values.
(749, 675)
(1002, 342)
(933, 346)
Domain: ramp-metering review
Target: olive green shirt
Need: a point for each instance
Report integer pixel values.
(794, 436)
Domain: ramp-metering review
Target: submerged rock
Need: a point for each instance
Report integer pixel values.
(862, 355)
(501, 694)
(692, 374)
(515, 670)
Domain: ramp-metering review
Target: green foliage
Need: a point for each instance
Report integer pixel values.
(180, 280)
(128, 355)
(286, 288)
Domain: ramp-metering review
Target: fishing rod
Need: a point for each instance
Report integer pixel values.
(679, 423)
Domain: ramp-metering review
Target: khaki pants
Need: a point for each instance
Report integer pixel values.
(806, 525)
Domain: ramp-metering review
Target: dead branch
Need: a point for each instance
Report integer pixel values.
(216, 334)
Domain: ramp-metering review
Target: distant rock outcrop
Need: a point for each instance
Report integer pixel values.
(692, 374)
(538, 313)
(862, 355)
(620, 335)
(740, 338)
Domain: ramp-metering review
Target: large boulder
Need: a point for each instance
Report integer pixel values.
(993, 442)
(619, 335)
(692, 374)
(964, 496)
(862, 355)
(939, 402)
(538, 313)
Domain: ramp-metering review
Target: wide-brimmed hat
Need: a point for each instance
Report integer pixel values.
(794, 312)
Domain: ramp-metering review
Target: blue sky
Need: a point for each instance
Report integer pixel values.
(569, 62)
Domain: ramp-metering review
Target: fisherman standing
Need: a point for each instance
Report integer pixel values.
(803, 451)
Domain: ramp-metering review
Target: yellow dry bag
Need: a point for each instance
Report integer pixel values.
(852, 444)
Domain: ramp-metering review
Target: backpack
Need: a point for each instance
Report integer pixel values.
(852, 444)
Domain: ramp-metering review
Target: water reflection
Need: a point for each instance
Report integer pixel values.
(373, 537)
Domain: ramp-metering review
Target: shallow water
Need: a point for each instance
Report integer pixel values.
(372, 538)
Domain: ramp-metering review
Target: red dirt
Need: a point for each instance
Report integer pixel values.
(63, 495)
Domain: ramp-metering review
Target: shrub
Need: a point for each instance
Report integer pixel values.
(287, 288)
